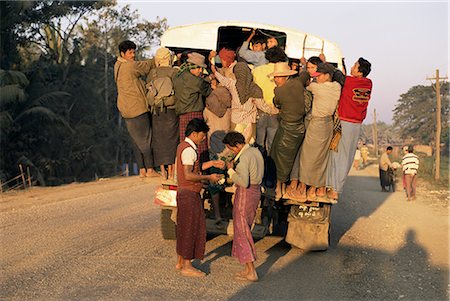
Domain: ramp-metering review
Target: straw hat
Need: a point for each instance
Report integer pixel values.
(196, 59)
(282, 69)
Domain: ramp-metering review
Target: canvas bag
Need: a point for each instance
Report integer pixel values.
(160, 91)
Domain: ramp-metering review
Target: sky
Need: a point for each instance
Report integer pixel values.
(405, 41)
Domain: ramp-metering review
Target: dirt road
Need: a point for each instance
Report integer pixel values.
(102, 241)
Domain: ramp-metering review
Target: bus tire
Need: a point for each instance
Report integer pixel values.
(168, 227)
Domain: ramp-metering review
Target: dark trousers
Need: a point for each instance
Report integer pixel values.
(384, 179)
(266, 128)
(140, 131)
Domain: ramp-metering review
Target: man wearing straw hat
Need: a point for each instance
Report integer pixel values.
(289, 98)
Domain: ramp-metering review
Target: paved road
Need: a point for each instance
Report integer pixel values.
(101, 241)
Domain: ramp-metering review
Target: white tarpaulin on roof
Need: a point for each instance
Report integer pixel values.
(204, 36)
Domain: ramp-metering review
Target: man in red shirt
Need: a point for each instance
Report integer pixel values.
(352, 111)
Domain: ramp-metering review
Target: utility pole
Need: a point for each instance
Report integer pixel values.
(437, 88)
(375, 132)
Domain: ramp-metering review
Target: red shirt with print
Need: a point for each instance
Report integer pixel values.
(354, 99)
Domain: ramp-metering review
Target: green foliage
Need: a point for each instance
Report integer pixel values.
(415, 114)
(58, 114)
(427, 170)
(106, 29)
(387, 134)
(22, 23)
(25, 124)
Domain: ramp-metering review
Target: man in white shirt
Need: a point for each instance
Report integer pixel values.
(410, 165)
(191, 224)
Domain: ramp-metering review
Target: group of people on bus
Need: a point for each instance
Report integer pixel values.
(306, 121)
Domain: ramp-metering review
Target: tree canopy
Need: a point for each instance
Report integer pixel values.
(58, 112)
(415, 114)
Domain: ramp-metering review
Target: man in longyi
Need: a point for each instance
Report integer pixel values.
(191, 224)
(191, 89)
(289, 98)
(247, 172)
(315, 149)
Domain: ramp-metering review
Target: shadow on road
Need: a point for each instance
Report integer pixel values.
(361, 197)
(355, 274)
(223, 250)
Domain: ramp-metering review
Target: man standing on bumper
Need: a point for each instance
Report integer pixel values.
(191, 224)
(352, 109)
(247, 175)
(133, 106)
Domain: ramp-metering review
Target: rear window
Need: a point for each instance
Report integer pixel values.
(231, 37)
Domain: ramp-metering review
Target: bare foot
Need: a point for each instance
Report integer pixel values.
(242, 273)
(249, 277)
(332, 194)
(192, 272)
(299, 195)
(311, 194)
(142, 173)
(179, 266)
(321, 192)
(278, 194)
(290, 190)
(152, 174)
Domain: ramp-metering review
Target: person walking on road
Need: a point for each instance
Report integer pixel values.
(384, 165)
(191, 224)
(246, 171)
(410, 165)
(364, 154)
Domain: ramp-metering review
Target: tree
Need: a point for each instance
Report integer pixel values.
(59, 115)
(26, 125)
(387, 134)
(415, 113)
(25, 22)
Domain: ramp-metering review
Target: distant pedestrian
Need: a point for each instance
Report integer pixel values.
(364, 154)
(410, 165)
(357, 159)
(405, 151)
(384, 165)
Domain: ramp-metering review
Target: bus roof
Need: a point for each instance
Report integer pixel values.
(205, 35)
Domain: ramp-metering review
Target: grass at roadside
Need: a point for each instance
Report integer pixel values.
(427, 169)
